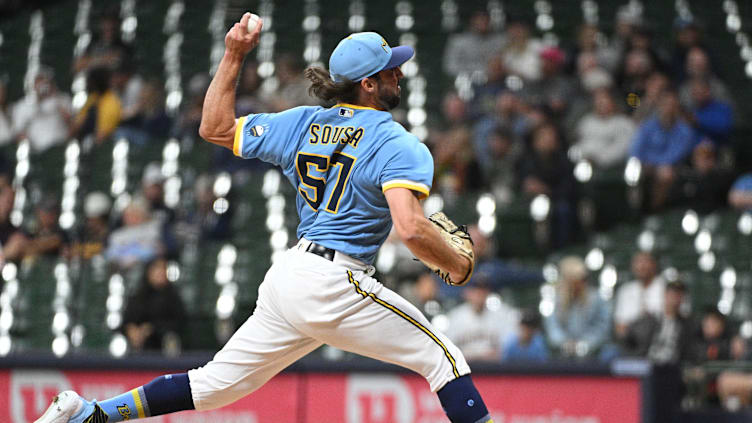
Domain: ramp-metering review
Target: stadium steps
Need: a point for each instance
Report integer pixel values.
(34, 307)
(59, 38)
(14, 52)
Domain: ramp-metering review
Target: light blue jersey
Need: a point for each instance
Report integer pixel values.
(340, 160)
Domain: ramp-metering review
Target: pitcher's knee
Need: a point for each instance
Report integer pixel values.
(212, 391)
(449, 365)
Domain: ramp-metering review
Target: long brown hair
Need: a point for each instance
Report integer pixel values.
(324, 88)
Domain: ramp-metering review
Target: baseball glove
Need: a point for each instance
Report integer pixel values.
(459, 240)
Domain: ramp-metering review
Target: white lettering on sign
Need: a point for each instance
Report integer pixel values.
(378, 399)
(31, 392)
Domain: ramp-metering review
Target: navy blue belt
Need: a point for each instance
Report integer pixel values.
(320, 250)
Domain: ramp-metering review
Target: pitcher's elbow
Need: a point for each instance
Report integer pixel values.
(204, 132)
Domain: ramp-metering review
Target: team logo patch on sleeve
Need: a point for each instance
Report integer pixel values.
(348, 113)
(256, 131)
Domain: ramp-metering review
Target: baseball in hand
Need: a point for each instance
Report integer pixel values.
(253, 22)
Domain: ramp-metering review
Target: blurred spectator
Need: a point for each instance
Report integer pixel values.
(711, 118)
(647, 105)
(477, 327)
(484, 98)
(247, 96)
(712, 341)
(154, 316)
(528, 343)
(292, 90)
(456, 168)
(704, 185)
(425, 294)
(100, 115)
(590, 78)
(544, 169)
(497, 163)
(663, 338)
(508, 114)
(698, 66)
(43, 115)
(495, 272)
(604, 135)
(740, 195)
(139, 240)
(147, 120)
(107, 49)
(554, 90)
(13, 240)
(128, 85)
(470, 51)
(6, 129)
(588, 43)
(93, 237)
(628, 20)
(632, 79)
(643, 295)
(189, 118)
(579, 323)
(200, 221)
(152, 188)
(660, 144)
(521, 52)
(688, 35)
(47, 238)
(591, 75)
(642, 40)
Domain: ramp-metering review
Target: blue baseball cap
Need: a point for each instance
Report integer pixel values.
(363, 54)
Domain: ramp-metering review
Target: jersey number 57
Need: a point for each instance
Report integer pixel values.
(304, 163)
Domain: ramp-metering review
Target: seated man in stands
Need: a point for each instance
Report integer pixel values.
(93, 238)
(47, 238)
(605, 133)
(544, 169)
(528, 343)
(711, 118)
(703, 185)
(468, 52)
(579, 323)
(425, 294)
(644, 294)
(43, 116)
(139, 240)
(660, 144)
(477, 328)
(663, 339)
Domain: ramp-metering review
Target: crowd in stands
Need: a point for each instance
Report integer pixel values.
(533, 112)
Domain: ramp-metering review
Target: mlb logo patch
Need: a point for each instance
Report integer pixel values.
(348, 113)
(256, 131)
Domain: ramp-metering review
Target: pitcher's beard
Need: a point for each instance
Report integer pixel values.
(388, 100)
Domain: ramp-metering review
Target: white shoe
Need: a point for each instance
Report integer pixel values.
(64, 405)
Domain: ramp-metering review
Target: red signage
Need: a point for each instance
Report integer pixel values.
(348, 398)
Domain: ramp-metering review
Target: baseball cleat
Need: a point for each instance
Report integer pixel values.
(69, 407)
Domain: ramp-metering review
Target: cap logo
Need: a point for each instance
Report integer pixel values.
(384, 45)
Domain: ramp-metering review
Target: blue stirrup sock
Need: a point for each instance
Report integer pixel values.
(462, 402)
(163, 395)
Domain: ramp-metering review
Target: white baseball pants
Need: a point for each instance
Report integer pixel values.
(306, 301)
